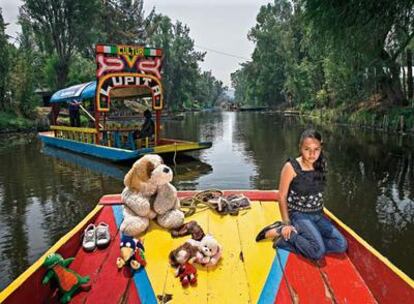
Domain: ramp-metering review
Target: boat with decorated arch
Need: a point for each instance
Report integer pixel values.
(124, 74)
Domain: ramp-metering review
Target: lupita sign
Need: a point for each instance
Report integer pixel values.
(120, 66)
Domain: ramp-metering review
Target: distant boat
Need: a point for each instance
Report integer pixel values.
(123, 73)
(252, 109)
(248, 272)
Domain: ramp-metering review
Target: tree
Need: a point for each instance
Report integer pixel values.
(180, 62)
(4, 62)
(368, 33)
(125, 22)
(62, 27)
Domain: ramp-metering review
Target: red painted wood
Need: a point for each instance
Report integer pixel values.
(110, 199)
(90, 263)
(259, 195)
(110, 285)
(345, 281)
(385, 285)
(34, 282)
(306, 281)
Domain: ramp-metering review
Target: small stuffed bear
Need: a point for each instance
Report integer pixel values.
(132, 253)
(148, 194)
(182, 258)
(68, 280)
(209, 250)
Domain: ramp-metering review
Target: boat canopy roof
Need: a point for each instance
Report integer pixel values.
(87, 91)
(79, 92)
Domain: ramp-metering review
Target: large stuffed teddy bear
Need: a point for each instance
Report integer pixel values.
(147, 195)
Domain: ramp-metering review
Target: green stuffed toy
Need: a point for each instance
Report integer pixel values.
(68, 280)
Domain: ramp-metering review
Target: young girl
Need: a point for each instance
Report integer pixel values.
(304, 229)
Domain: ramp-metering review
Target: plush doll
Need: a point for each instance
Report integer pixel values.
(149, 194)
(209, 250)
(137, 194)
(68, 280)
(187, 274)
(192, 228)
(166, 203)
(132, 253)
(182, 258)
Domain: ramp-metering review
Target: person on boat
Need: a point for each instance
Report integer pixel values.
(74, 116)
(147, 128)
(304, 229)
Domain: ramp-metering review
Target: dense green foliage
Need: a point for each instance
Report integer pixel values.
(185, 85)
(55, 49)
(318, 54)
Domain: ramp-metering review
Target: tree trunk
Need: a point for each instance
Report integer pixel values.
(390, 82)
(62, 71)
(410, 90)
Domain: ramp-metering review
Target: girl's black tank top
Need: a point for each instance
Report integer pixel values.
(306, 189)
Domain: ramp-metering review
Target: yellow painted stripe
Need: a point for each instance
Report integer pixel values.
(73, 129)
(227, 282)
(173, 286)
(176, 147)
(158, 243)
(258, 257)
(36, 265)
(383, 259)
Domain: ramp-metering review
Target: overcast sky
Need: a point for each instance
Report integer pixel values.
(217, 26)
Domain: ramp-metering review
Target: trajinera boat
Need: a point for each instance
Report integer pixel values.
(126, 78)
(248, 272)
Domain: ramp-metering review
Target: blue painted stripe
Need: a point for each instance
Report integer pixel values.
(143, 285)
(271, 287)
(141, 280)
(117, 210)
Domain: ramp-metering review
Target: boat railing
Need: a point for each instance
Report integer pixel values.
(85, 135)
(122, 138)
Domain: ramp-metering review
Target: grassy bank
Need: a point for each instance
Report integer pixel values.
(390, 119)
(10, 122)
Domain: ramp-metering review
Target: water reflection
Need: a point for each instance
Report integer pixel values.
(41, 198)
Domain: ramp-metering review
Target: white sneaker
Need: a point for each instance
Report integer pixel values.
(103, 236)
(89, 238)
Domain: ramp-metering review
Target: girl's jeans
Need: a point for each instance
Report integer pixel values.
(316, 236)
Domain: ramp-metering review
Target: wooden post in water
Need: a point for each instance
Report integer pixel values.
(401, 123)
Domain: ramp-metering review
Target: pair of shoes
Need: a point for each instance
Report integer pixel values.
(96, 236)
(262, 234)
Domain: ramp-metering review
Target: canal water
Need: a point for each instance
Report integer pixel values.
(44, 192)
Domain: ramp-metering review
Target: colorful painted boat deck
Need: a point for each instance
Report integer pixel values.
(248, 272)
(120, 154)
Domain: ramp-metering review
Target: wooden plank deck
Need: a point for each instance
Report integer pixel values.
(249, 272)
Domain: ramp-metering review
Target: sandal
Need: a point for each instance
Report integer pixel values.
(103, 236)
(89, 238)
(262, 234)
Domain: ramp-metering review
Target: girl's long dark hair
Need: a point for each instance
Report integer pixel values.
(320, 164)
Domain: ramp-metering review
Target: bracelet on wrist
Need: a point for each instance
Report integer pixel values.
(287, 223)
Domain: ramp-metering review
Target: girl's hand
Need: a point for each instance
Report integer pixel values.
(287, 231)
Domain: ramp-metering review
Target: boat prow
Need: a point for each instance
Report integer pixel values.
(248, 272)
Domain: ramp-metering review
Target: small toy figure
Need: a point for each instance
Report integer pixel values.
(132, 253)
(181, 258)
(68, 280)
(187, 274)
